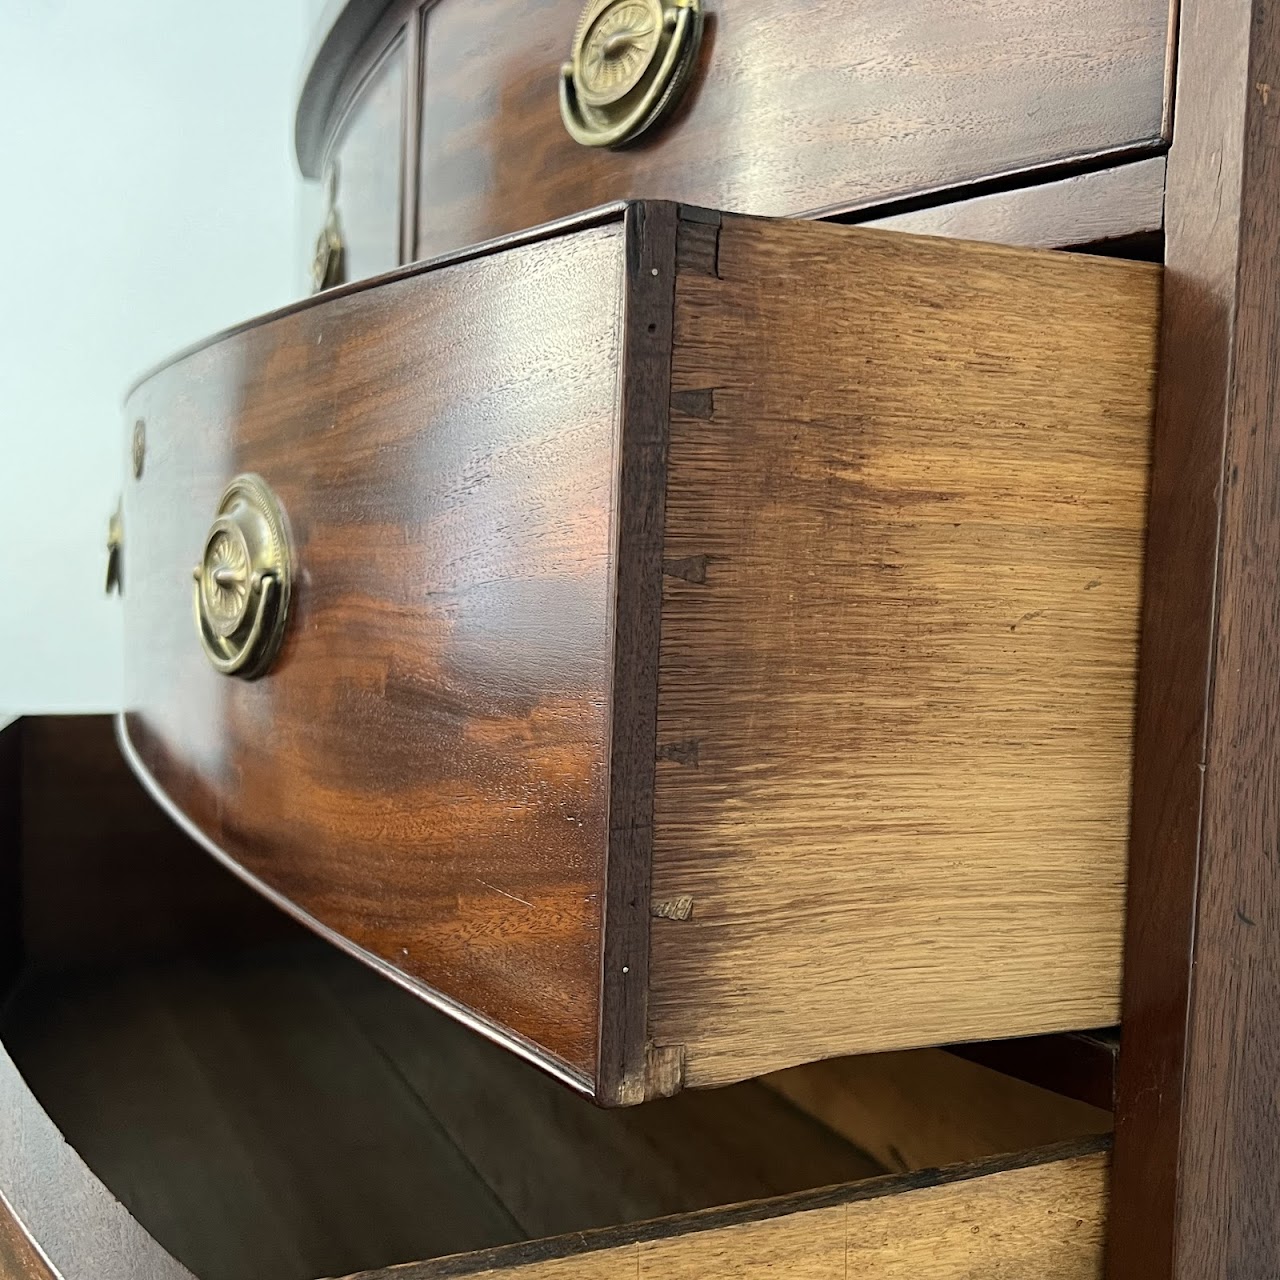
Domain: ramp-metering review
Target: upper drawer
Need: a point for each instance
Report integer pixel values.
(363, 174)
(710, 643)
(791, 108)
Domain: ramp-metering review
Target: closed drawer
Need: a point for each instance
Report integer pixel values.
(363, 177)
(711, 642)
(790, 109)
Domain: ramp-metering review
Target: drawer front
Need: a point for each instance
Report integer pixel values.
(365, 168)
(791, 109)
(713, 639)
(423, 770)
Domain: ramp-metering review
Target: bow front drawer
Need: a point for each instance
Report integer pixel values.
(681, 646)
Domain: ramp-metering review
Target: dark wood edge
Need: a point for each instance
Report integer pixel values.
(11, 941)
(411, 133)
(1077, 1064)
(596, 217)
(343, 32)
(1170, 69)
(1194, 1188)
(582, 1242)
(636, 597)
(397, 38)
(74, 1222)
(499, 1035)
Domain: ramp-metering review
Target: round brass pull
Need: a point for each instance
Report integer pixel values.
(243, 580)
(631, 61)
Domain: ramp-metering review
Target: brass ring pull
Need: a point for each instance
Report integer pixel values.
(243, 581)
(631, 61)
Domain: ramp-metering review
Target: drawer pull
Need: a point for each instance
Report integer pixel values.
(243, 581)
(631, 62)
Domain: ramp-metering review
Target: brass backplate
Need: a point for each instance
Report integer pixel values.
(244, 580)
(631, 61)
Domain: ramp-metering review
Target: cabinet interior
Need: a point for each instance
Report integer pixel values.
(266, 1105)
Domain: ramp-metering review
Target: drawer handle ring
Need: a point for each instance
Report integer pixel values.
(242, 584)
(631, 62)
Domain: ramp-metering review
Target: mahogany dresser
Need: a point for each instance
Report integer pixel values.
(741, 611)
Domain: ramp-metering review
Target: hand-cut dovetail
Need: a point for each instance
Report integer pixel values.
(673, 909)
(698, 246)
(690, 568)
(684, 752)
(664, 1070)
(695, 404)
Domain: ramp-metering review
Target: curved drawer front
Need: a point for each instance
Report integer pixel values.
(711, 642)
(364, 172)
(792, 108)
(422, 769)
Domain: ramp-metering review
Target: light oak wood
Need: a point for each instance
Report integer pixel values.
(926, 1107)
(1043, 1220)
(906, 498)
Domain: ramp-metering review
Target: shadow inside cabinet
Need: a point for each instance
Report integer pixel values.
(264, 1105)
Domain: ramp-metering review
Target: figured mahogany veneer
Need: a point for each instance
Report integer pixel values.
(714, 639)
(793, 108)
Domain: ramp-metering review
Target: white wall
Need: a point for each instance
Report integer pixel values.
(148, 196)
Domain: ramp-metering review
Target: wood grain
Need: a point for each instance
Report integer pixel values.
(1197, 1130)
(636, 609)
(1122, 204)
(1039, 1215)
(790, 112)
(899, 641)
(425, 771)
(368, 155)
(924, 1108)
(78, 1224)
(19, 1258)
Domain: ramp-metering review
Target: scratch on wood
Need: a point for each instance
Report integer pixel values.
(690, 568)
(680, 908)
(504, 893)
(685, 752)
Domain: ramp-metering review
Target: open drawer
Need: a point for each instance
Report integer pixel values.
(683, 646)
(190, 1085)
(272, 1117)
